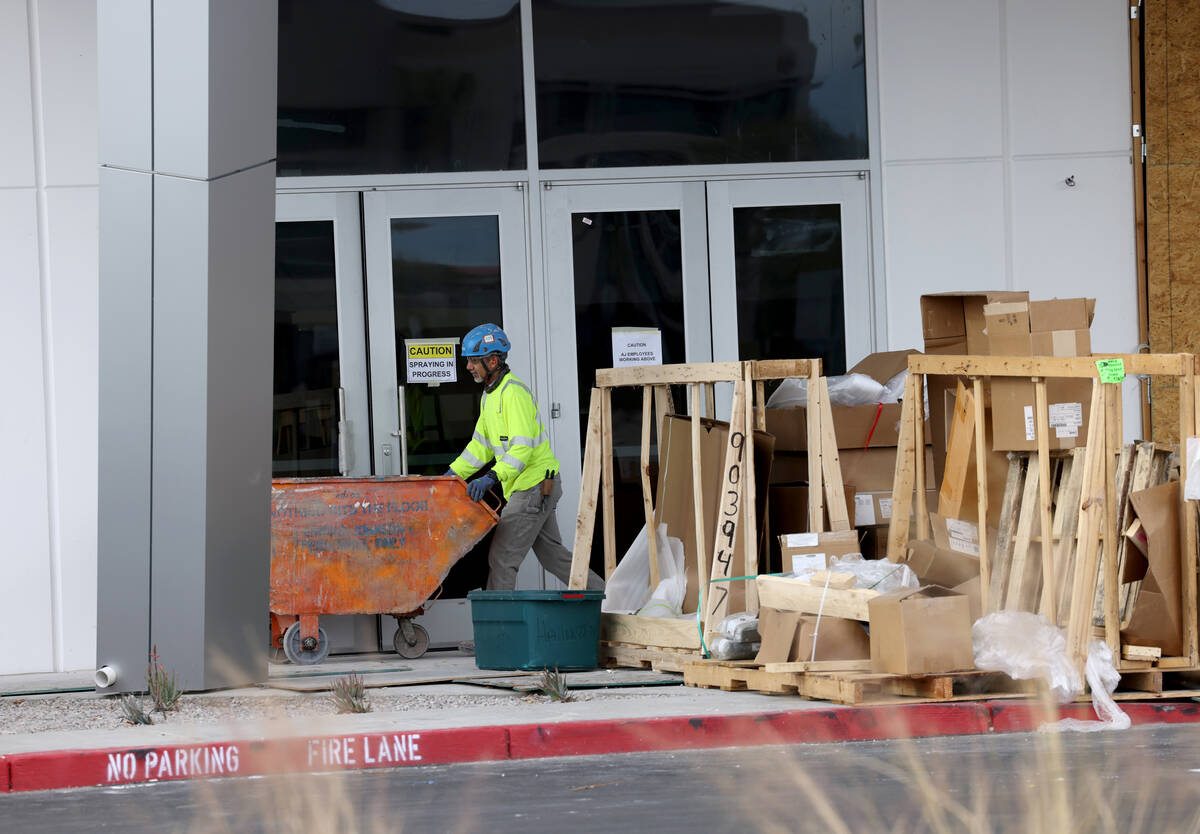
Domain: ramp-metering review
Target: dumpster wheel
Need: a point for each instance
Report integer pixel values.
(293, 646)
(410, 640)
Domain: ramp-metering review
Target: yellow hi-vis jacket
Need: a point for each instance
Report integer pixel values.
(509, 430)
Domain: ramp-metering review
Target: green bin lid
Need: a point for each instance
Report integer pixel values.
(534, 596)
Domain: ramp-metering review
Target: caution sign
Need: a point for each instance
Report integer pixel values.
(431, 361)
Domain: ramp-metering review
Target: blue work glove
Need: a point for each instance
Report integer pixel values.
(479, 487)
(449, 473)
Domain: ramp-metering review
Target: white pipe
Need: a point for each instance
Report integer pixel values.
(105, 677)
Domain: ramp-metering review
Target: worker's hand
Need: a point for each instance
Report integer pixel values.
(449, 473)
(479, 487)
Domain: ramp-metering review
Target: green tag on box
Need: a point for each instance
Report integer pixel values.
(1111, 370)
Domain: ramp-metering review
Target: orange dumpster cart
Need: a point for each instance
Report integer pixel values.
(364, 546)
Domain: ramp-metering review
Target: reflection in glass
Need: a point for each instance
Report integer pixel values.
(788, 263)
(304, 439)
(628, 273)
(646, 82)
(399, 86)
(445, 280)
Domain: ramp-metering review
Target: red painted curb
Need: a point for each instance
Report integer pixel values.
(5, 776)
(80, 768)
(1020, 717)
(585, 738)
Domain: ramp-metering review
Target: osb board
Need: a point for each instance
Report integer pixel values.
(600, 679)
(440, 667)
(1171, 48)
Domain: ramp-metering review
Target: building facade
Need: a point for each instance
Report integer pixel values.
(753, 180)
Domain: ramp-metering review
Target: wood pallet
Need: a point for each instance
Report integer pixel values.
(846, 687)
(630, 656)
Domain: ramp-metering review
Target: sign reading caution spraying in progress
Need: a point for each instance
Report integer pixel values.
(431, 361)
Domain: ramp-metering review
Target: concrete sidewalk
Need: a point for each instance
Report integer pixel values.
(618, 717)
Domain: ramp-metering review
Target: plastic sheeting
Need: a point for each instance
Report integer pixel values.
(628, 589)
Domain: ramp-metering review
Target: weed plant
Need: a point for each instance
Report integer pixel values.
(350, 694)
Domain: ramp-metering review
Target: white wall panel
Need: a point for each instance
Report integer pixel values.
(1068, 76)
(72, 275)
(944, 230)
(940, 79)
(16, 138)
(25, 616)
(67, 47)
(1070, 242)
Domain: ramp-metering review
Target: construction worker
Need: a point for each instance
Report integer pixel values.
(510, 434)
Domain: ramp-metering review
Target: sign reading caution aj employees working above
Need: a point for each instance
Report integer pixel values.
(636, 346)
(431, 361)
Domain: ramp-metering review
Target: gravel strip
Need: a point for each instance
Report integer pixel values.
(87, 712)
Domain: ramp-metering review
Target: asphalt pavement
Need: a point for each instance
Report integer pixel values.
(1142, 779)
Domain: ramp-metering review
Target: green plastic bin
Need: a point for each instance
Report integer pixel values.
(536, 629)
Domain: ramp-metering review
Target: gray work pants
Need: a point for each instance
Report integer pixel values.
(525, 523)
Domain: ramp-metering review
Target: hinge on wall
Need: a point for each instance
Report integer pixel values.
(1133, 12)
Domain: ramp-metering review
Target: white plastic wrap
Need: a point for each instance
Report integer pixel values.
(873, 574)
(1191, 489)
(628, 590)
(854, 389)
(893, 389)
(791, 393)
(722, 648)
(1027, 646)
(741, 627)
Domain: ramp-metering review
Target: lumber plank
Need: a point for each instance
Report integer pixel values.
(958, 455)
(1110, 586)
(644, 471)
(664, 404)
(836, 581)
(816, 495)
(1049, 605)
(710, 401)
(922, 509)
(803, 666)
(902, 482)
(1132, 652)
(1148, 681)
(701, 554)
(762, 369)
(665, 632)
(1090, 519)
(1187, 515)
(749, 521)
(585, 521)
(981, 494)
(1143, 471)
(1156, 364)
(1066, 521)
(1006, 533)
(1024, 571)
(707, 372)
(794, 595)
(1124, 473)
(606, 484)
(831, 467)
(760, 406)
(729, 514)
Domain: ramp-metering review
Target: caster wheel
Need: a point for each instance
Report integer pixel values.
(414, 643)
(277, 655)
(297, 652)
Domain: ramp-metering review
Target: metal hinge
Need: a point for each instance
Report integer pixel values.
(555, 410)
(1137, 131)
(1133, 12)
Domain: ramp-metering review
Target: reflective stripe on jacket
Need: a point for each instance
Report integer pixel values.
(510, 431)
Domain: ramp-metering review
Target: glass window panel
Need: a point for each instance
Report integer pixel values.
(788, 262)
(655, 82)
(399, 86)
(628, 273)
(445, 280)
(306, 351)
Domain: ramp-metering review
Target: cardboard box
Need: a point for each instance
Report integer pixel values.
(1058, 327)
(934, 565)
(953, 323)
(673, 503)
(920, 631)
(854, 426)
(788, 636)
(812, 550)
(874, 509)
(788, 507)
(874, 470)
(971, 590)
(1157, 618)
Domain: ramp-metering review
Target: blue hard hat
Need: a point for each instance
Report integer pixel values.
(483, 340)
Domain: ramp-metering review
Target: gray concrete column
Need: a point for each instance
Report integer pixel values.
(187, 147)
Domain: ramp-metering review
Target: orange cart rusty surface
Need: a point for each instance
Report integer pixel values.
(364, 546)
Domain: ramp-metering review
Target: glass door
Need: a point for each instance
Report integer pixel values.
(439, 262)
(320, 426)
(792, 258)
(619, 256)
